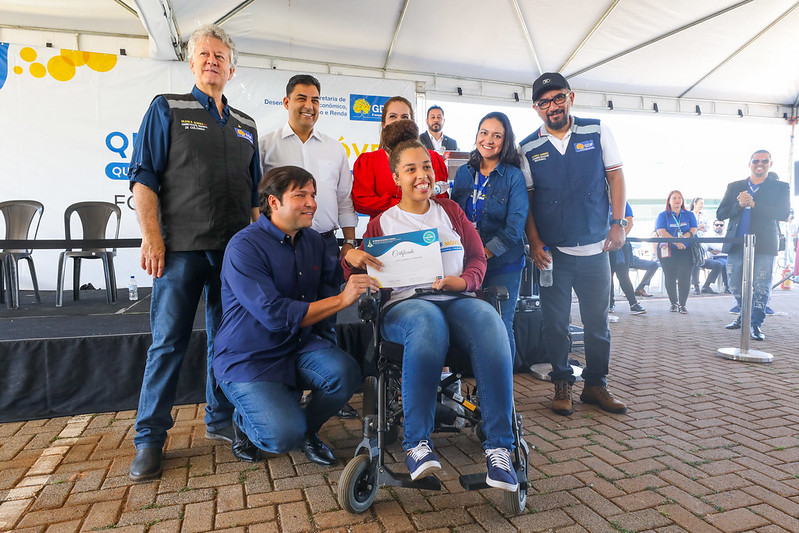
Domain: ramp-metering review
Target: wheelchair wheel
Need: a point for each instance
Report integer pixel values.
(370, 396)
(357, 487)
(515, 502)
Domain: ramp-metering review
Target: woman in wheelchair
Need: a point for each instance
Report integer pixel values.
(428, 324)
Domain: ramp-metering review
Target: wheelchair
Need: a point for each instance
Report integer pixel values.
(382, 417)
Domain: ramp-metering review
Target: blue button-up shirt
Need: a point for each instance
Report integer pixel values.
(268, 283)
(151, 149)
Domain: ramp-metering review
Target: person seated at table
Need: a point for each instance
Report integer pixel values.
(373, 188)
(265, 351)
(427, 325)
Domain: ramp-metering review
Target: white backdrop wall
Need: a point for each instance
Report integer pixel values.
(68, 120)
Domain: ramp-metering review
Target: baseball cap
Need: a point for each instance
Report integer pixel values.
(548, 81)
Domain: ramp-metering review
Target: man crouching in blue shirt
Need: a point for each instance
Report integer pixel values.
(266, 353)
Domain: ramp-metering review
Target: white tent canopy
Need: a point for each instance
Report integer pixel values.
(726, 57)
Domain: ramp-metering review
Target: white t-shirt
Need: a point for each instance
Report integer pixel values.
(326, 160)
(394, 221)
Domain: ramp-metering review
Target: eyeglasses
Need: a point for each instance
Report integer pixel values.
(557, 99)
(756, 161)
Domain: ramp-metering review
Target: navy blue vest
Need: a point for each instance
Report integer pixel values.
(570, 200)
(206, 188)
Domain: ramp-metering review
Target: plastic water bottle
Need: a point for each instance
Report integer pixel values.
(440, 187)
(133, 289)
(546, 274)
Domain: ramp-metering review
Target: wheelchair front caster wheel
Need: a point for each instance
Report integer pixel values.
(357, 487)
(515, 502)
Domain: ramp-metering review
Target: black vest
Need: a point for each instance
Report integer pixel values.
(206, 190)
(571, 203)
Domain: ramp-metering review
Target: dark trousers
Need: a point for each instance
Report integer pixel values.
(677, 273)
(327, 327)
(622, 272)
(716, 268)
(589, 276)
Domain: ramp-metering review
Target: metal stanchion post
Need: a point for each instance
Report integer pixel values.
(744, 353)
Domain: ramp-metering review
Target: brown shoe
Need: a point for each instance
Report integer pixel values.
(601, 396)
(562, 402)
(642, 293)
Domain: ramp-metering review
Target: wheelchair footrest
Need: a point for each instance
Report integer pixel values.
(385, 476)
(474, 481)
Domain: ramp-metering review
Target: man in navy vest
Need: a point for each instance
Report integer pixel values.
(754, 205)
(574, 170)
(194, 174)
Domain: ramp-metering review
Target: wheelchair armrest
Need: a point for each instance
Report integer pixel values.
(494, 292)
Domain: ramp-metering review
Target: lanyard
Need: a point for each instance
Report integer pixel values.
(678, 221)
(478, 193)
(752, 189)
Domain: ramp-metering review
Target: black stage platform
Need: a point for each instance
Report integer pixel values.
(88, 356)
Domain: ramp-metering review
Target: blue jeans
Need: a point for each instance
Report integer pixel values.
(270, 413)
(589, 276)
(174, 302)
(425, 328)
(761, 282)
(511, 281)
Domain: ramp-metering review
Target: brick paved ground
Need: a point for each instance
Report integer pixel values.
(708, 445)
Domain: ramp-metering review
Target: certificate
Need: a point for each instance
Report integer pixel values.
(408, 258)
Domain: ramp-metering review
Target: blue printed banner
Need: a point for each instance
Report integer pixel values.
(367, 107)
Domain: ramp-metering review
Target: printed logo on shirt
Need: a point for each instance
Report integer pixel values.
(193, 125)
(244, 134)
(451, 246)
(584, 146)
(535, 158)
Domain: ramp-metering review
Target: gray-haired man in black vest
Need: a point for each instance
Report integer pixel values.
(194, 174)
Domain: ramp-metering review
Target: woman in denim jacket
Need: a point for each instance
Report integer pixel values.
(491, 190)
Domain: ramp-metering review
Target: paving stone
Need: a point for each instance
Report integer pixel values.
(736, 520)
(52, 496)
(50, 516)
(392, 516)
(294, 517)
(437, 519)
(102, 515)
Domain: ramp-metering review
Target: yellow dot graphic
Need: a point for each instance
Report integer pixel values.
(38, 70)
(76, 57)
(28, 54)
(17, 70)
(101, 62)
(60, 68)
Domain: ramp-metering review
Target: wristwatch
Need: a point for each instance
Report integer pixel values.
(620, 221)
(353, 243)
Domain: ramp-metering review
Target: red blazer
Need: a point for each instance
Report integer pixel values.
(373, 187)
(474, 259)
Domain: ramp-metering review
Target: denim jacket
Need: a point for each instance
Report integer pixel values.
(504, 211)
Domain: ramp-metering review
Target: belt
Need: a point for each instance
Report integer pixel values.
(329, 234)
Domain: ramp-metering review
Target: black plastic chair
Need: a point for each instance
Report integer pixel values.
(20, 216)
(94, 218)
